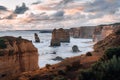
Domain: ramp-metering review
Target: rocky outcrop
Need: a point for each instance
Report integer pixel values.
(112, 40)
(37, 39)
(97, 34)
(82, 32)
(55, 41)
(16, 55)
(104, 30)
(75, 48)
(58, 36)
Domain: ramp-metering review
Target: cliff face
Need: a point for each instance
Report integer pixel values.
(58, 36)
(112, 40)
(16, 55)
(82, 32)
(103, 31)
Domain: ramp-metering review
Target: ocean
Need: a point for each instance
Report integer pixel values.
(44, 49)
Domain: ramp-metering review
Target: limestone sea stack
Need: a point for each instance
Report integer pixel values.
(17, 55)
(55, 39)
(58, 36)
(37, 39)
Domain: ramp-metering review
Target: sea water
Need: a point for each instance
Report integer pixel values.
(44, 49)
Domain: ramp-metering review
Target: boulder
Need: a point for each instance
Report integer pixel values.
(75, 48)
(37, 39)
(58, 58)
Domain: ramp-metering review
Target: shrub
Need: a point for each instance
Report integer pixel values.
(117, 32)
(2, 44)
(88, 54)
(61, 72)
(59, 78)
(110, 52)
(107, 70)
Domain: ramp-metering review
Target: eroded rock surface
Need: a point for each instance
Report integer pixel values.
(17, 55)
(58, 36)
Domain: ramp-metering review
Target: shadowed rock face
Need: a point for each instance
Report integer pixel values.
(37, 39)
(16, 55)
(82, 32)
(58, 36)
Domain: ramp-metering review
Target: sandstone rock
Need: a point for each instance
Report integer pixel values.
(63, 35)
(103, 31)
(58, 36)
(112, 40)
(36, 37)
(75, 48)
(55, 39)
(20, 55)
(82, 32)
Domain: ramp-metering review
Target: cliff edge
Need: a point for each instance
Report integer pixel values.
(17, 55)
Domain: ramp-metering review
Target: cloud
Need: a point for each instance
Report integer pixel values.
(59, 13)
(37, 2)
(21, 9)
(3, 8)
(103, 6)
(69, 13)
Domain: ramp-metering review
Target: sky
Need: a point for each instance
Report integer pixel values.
(49, 14)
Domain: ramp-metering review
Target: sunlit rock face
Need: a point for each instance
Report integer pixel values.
(59, 35)
(16, 55)
(82, 32)
(104, 30)
(112, 40)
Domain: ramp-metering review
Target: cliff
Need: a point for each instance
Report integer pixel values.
(71, 68)
(58, 36)
(103, 31)
(17, 55)
(82, 32)
(112, 40)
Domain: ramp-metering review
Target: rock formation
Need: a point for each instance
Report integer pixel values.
(112, 40)
(55, 39)
(58, 36)
(104, 30)
(82, 32)
(37, 39)
(16, 55)
(75, 48)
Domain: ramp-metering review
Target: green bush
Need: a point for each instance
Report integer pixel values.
(107, 70)
(117, 32)
(110, 52)
(2, 44)
(59, 78)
